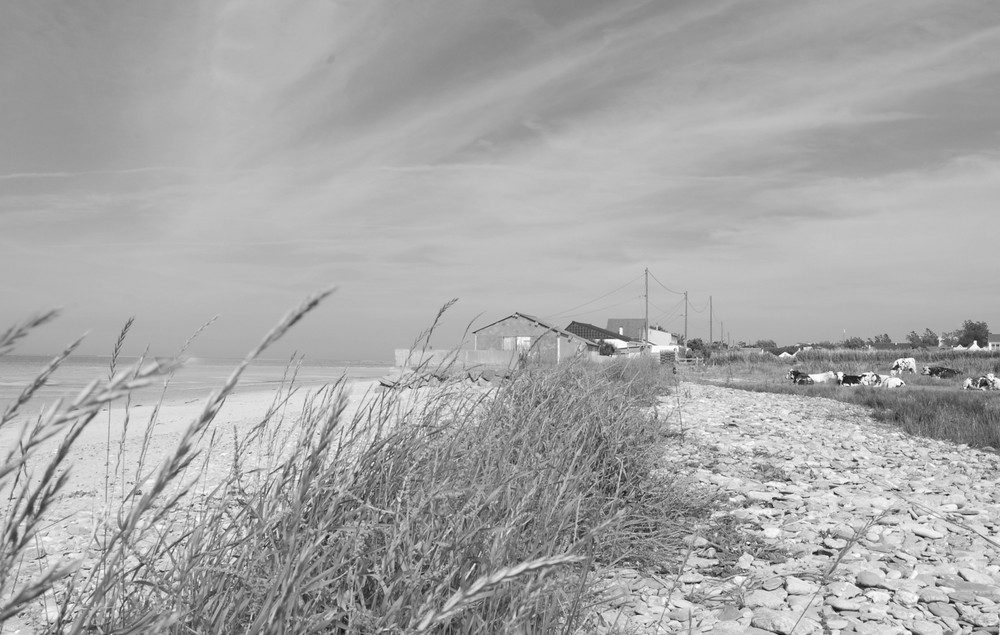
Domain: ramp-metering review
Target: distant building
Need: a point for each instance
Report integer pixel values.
(597, 334)
(662, 341)
(993, 343)
(632, 328)
(532, 338)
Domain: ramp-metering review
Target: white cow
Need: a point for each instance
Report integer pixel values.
(892, 382)
(902, 365)
(818, 378)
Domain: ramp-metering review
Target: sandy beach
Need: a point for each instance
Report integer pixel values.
(79, 508)
(240, 413)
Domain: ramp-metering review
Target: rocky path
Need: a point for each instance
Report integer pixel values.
(871, 531)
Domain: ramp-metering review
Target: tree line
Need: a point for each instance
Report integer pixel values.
(970, 331)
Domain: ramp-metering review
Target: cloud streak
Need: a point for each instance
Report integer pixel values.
(527, 154)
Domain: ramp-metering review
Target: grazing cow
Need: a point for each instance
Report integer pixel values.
(892, 382)
(870, 379)
(803, 380)
(902, 365)
(848, 380)
(989, 382)
(940, 372)
(818, 378)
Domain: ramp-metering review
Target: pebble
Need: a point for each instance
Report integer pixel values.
(914, 522)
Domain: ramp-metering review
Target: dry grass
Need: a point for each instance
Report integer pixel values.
(466, 511)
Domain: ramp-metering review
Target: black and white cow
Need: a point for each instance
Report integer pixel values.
(940, 372)
(848, 380)
(870, 379)
(988, 382)
(902, 365)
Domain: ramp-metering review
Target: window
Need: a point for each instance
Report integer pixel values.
(518, 343)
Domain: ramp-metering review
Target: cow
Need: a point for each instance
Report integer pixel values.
(940, 372)
(818, 378)
(902, 365)
(803, 380)
(870, 379)
(892, 382)
(848, 380)
(989, 382)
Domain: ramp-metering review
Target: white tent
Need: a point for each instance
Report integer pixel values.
(975, 346)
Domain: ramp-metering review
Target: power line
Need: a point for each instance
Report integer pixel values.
(696, 310)
(610, 306)
(664, 312)
(570, 310)
(665, 287)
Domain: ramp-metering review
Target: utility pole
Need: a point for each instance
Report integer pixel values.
(645, 334)
(685, 318)
(722, 330)
(710, 331)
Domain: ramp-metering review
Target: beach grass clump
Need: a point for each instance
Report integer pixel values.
(455, 509)
(467, 513)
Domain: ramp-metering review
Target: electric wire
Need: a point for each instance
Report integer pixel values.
(703, 309)
(610, 306)
(665, 286)
(570, 310)
(670, 312)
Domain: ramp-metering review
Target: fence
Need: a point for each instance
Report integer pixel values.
(405, 358)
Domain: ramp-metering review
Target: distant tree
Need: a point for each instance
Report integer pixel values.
(929, 338)
(853, 342)
(765, 344)
(741, 344)
(880, 339)
(824, 344)
(974, 332)
(950, 338)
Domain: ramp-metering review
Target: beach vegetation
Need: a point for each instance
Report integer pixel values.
(454, 509)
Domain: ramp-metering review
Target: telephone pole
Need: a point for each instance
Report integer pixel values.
(710, 331)
(685, 318)
(645, 334)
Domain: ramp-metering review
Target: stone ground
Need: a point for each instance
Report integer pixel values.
(853, 527)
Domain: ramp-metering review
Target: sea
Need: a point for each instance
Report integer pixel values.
(197, 377)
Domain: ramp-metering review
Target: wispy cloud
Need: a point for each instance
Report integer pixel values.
(523, 153)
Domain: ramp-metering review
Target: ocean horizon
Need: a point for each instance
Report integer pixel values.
(197, 376)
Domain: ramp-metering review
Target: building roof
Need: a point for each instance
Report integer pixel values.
(994, 338)
(591, 332)
(544, 325)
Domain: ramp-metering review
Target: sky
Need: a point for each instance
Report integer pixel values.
(817, 170)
